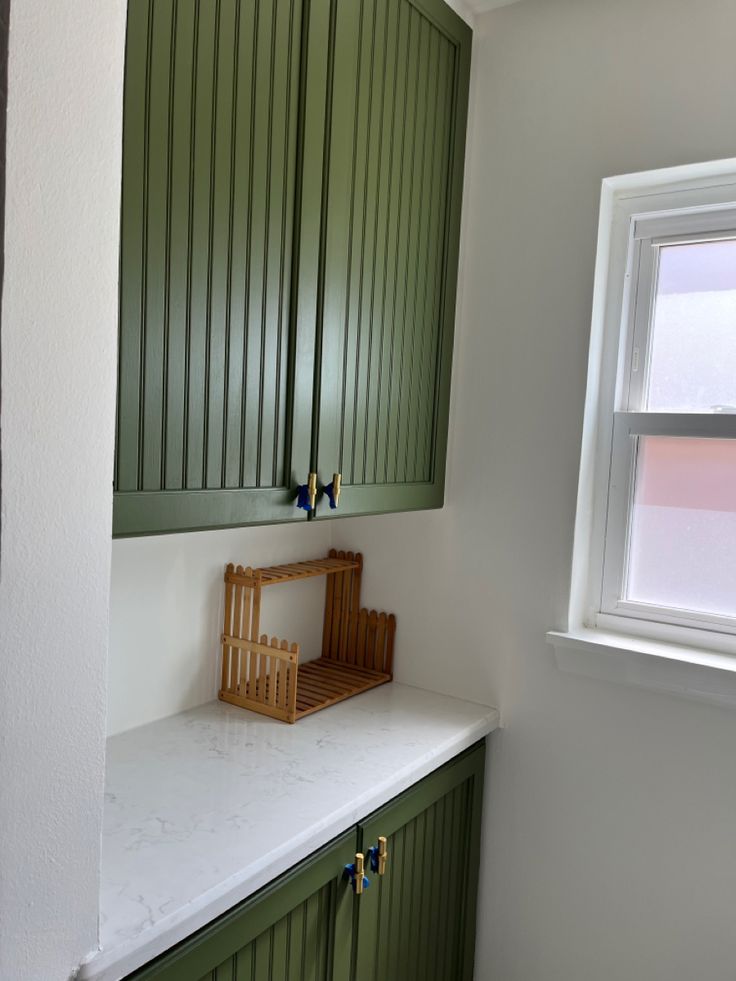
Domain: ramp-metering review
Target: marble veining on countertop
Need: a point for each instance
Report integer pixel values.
(204, 808)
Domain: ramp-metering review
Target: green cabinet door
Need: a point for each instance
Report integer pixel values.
(291, 190)
(297, 929)
(397, 96)
(214, 199)
(417, 920)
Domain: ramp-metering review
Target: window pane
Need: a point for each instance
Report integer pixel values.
(682, 548)
(693, 349)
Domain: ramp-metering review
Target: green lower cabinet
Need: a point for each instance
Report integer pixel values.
(296, 929)
(415, 922)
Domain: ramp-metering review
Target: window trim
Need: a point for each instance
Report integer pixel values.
(635, 207)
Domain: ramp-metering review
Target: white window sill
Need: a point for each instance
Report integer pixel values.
(707, 676)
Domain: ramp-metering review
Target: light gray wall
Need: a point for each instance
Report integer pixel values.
(58, 390)
(609, 837)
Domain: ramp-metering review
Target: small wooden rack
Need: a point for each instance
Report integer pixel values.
(265, 675)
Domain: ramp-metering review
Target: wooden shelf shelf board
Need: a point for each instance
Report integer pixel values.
(272, 574)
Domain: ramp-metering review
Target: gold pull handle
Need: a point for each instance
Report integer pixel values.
(312, 488)
(359, 873)
(336, 487)
(382, 855)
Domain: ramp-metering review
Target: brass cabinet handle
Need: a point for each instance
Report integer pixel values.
(355, 873)
(312, 489)
(379, 856)
(333, 490)
(382, 855)
(359, 873)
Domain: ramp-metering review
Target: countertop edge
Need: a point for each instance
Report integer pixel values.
(116, 963)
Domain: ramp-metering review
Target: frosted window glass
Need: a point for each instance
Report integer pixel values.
(692, 363)
(682, 549)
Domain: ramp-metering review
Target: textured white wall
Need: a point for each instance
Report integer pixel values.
(58, 382)
(609, 834)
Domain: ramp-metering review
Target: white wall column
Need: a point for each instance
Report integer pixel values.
(59, 316)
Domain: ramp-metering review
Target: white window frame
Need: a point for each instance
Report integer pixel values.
(639, 213)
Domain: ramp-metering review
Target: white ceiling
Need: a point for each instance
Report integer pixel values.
(481, 6)
(468, 9)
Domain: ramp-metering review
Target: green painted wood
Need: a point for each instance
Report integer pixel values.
(397, 97)
(292, 181)
(308, 256)
(212, 199)
(296, 929)
(417, 922)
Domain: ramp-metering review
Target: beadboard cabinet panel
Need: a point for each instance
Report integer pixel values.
(211, 186)
(299, 929)
(292, 181)
(295, 948)
(396, 150)
(417, 922)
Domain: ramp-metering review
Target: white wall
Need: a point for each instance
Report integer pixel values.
(166, 614)
(58, 382)
(609, 850)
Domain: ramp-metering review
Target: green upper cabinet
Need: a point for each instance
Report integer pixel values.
(393, 195)
(292, 176)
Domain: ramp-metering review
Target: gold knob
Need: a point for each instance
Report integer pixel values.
(336, 486)
(359, 873)
(312, 489)
(382, 855)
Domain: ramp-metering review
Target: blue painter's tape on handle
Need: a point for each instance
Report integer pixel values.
(302, 500)
(349, 873)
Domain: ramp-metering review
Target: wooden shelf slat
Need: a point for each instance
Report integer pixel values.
(272, 574)
(346, 674)
(325, 682)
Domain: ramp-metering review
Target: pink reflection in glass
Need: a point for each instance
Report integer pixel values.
(682, 548)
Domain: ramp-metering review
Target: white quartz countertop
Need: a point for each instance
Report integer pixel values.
(204, 808)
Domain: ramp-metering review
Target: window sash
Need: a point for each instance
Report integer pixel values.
(627, 428)
(643, 272)
(686, 225)
(648, 234)
(696, 425)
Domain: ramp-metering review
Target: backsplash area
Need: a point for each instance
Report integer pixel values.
(166, 608)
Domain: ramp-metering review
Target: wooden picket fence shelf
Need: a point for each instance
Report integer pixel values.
(266, 676)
